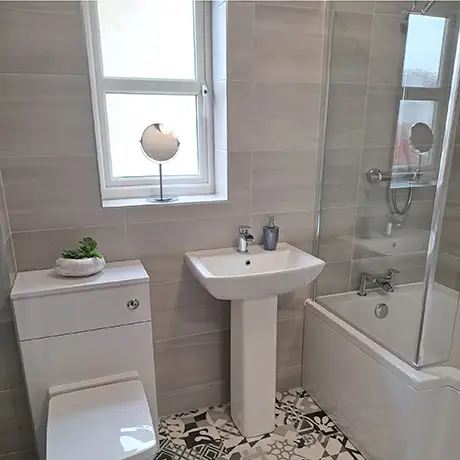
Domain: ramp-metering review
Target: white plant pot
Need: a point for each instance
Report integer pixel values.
(79, 267)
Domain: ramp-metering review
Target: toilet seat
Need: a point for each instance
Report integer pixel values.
(108, 422)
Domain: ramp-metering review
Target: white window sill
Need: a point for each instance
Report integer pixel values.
(186, 199)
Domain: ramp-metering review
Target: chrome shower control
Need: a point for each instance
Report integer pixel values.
(133, 304)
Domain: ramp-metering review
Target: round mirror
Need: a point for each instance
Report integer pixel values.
(159, 143)
(421, 138)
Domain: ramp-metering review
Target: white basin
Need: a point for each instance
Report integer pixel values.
(258, 274)
(253, 281)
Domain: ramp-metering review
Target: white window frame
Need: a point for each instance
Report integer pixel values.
(138, 187)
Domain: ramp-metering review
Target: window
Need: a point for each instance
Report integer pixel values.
(149, 63)
(425, 90)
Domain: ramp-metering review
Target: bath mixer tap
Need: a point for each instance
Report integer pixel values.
(244, 238)
(387, 282)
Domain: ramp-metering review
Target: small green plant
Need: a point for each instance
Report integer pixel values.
(86, 250)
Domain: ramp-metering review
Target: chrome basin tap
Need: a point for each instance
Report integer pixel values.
(387, 282)
(244, 238)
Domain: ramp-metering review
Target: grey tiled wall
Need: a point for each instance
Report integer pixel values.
(273, 82)
(16, 439)
(366, 67)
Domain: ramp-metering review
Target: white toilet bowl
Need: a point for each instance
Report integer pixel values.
(107, 422)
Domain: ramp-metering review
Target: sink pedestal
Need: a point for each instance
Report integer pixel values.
(253, 365)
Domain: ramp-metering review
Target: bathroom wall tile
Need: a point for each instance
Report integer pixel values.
(381, 116)
(15, 422)
(356, 6)
(7, 276)
(219, 41)
(5, 229)
(152, 238)
(388, 49)
(291, 305)
(288, 378)
(448, 271)
(22, 455)
(165, 268)
(283, 181)
(240, 109)
(45, 115)
(38, 250)
(220, 118)
(45, 193)
(336, 237)
(288, 44)
(239, 172)
(454, 174)
(451, 229)
(193, 398)
(30, 31)
(169, 323)
(286, 116)
(188, 293)
(351, 43)
(334, 278)
(395, 7)
(340, 178)
(296, 228)
(10, 364)
(190, 361)
(240, 59)
(345, 123)
(289, 343)
(411, 266)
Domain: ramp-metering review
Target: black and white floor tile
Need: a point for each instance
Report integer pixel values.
(303, 432)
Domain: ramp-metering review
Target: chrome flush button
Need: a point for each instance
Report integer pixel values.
(133, 304)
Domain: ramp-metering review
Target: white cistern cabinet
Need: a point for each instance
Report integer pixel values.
(87, 353)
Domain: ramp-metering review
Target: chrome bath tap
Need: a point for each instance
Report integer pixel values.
(387, 282)
(244, 238)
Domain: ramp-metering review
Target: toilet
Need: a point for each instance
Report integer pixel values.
(87, 352)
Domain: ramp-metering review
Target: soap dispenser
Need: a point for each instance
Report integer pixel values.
(271, 234)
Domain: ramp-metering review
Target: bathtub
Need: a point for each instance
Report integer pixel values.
(389, 409)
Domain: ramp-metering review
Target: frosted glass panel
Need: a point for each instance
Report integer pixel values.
(411, 112)
(424, 46)
(130, 114)
(148, 38)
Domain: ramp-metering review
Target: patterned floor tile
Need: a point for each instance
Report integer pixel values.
(302, 432)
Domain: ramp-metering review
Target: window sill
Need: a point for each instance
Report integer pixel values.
(186, 199)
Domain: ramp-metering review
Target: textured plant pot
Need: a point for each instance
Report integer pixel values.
(79, 267)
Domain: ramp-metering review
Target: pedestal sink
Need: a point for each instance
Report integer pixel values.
(253, 281)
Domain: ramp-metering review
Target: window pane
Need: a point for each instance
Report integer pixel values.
(148, 38)
(424, 49)
(130, 114)
(411, 112)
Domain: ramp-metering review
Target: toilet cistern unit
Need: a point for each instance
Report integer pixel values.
(87, 353)
(253, 280)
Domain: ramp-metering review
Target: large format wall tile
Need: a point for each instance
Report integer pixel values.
(287, 43)
(240, 40)
(345, 123)
(286, 116)
(45, 115)
(42, 37)
(351, 43)
(48, 193)
(36, 250)
(15, 422)
(190, 361)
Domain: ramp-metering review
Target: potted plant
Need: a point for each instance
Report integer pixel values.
(84, 260)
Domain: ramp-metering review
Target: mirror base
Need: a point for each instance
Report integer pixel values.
(164, 199)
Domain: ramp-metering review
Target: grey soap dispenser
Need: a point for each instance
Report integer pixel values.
(271, 234)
